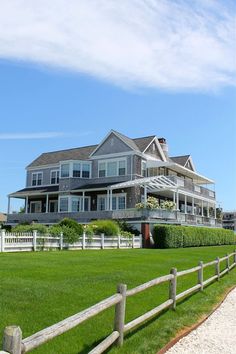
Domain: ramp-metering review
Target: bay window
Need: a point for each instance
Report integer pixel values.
(73, 203)
(65, 170)
(75, 169)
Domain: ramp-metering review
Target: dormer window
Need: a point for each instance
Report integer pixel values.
(37, 179)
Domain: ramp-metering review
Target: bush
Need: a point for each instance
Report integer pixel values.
(41, 229)
(72, 224)
(106, 227)
(172, 236)
(127, 227)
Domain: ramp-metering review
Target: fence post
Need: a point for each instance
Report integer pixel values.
(172, 287)
(217, 269)
(227, 262)
(141, 240)
(34, 240)
(118, 244)
(12, 339)
(200, 275)
(83, 241)
(61, 241)
(3, 235)
(120, 314)
(102, 241)
(133, 241)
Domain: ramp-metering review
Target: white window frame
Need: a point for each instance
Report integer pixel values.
(70, 203)
(114, 195)
(81, 162)
(36, 173)
(35, 202)
(57, 171)
(117, 167)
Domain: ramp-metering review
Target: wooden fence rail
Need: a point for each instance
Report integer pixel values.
(12, 337)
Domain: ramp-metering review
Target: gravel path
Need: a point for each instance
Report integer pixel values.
(217, 335)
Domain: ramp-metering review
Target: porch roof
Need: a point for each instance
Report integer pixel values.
(34, 191)
(156, 183)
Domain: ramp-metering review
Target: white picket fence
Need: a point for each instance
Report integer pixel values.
(21, 242)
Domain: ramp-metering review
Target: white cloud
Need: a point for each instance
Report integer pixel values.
(177, 45)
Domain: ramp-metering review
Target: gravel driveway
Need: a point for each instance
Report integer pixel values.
(217, 335)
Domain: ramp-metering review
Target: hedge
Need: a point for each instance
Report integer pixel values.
(174, 236)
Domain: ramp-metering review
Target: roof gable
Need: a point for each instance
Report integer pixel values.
(185, 161)
(114, 142)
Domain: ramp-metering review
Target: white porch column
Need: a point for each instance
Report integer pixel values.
(177, 200)
(208, 209)
(111, 199)
(185, 204)
(26, 204)
(107, 206)
(145, 195)
(83, 197)
(9, 205)
(202, 209)
(192, 206)
(174, 197)
(47, 203)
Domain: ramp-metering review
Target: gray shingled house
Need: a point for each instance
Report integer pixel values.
(107, 180)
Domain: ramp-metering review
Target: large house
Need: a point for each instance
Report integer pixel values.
(107, 180)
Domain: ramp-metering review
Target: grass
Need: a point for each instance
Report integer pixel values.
(40, 289)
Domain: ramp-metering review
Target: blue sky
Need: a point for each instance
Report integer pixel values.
(49, 101)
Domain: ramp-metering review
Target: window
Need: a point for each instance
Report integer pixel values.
(64, 204)
(37, 178)
(121, 202)
(76, 169)
(65, 170)
(35, 207)
(86, 170)
(122, 168)
(144, 168)
(102, 169)
(55, 177)
(75, 204)
(112, 168)
(101, 203)
(53, 206)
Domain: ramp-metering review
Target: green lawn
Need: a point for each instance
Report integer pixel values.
(40, 289)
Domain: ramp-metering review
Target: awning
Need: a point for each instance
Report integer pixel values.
(34, 191)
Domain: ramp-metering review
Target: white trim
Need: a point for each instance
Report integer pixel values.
(107, 136)
(53, 184)
(112, 195)
(118, 154)
(42, 167)
(36, 173)
(117, 167)
(155, 139)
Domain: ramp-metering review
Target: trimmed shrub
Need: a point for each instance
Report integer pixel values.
(72, 224)
(42, 229)
(173, 236)
(106, 227)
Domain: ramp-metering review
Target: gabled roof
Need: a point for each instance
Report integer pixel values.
(181, 160)
(49, 158)
(142, 143)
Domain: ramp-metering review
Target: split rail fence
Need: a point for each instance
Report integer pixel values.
(18, 242)
(14, 344)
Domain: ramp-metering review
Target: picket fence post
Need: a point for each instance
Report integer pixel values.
(102, 241)
(34, 240)
(61, 241)
(118, 244)
(3, 235)
(133, 241)
(83, 241)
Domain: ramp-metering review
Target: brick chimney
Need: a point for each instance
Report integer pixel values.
(164, 146)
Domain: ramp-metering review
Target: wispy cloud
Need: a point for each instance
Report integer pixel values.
(40, 135)
(167, 44)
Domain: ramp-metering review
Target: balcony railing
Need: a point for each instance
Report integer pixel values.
(192, 187)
